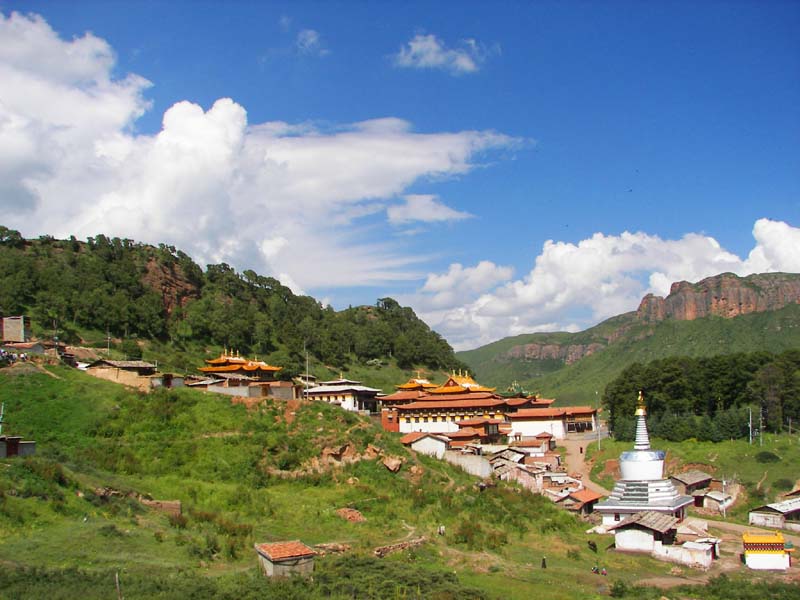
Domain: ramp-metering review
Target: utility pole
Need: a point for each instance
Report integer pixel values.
(750, 425)
(305, 385)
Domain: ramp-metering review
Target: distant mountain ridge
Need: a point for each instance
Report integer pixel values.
(726, 295)
(537, 358)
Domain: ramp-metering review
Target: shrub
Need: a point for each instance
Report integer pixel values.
(619, 589)
(767, 457)
(783, 484)
(177, 521)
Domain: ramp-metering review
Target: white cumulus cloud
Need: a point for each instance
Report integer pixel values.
(573, 286)
(283, 199)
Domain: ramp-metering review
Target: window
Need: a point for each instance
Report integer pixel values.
(616, 516)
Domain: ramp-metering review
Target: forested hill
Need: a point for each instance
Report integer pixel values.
(134, 291)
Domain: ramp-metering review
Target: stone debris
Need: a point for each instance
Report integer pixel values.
(392, 463)
(351, 514)
(331, 548)
(382, 551)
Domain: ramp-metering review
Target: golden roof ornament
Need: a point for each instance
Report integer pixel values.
(641, 410)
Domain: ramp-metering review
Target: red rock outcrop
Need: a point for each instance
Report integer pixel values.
(569, 354)
(171, 283)
(725, 295)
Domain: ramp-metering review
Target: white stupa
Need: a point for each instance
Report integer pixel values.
(642, 485)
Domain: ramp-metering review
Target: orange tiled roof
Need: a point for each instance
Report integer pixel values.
(478, 421)
(579, 410)
(412, 437)
(585, 495)
(451, 404)
(404, 395)
(532, 413)
(282, 550)
(467, 432)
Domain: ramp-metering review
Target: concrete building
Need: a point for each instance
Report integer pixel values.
(283, 559)
(639, 532)
(766, 551)
(348, 394)
(778, 515)
(642, 486)
(426, 443)
(15, 329)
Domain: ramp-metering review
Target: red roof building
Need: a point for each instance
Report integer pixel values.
(284, 559)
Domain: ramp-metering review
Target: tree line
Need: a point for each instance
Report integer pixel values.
(708, 398)
(102, 284)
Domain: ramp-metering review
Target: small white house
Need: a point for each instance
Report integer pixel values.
(641, 531)
(426, 443)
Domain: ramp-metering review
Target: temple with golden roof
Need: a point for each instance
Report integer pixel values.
(229, 365)
(420, 406)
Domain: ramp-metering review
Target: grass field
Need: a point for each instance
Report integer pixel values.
(63, 539)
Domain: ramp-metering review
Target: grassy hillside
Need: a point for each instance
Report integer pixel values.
(60, 535)
(242, 476)
(773, 331)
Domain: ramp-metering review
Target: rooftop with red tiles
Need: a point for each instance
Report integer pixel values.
(283, 550)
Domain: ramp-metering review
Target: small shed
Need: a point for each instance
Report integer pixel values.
(640, 531)
(581, 501)
(15, 446)
(717, 500)
(778, 515)
(284, 559)
(691, 481)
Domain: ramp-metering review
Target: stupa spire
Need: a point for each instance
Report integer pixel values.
(642, 441)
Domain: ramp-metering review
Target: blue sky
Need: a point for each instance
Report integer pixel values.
(501, 167)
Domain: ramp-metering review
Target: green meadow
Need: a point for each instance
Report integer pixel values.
(71, 519)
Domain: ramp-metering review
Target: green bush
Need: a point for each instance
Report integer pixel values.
(767, 457)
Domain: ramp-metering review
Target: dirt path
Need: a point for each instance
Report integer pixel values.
(576, 463)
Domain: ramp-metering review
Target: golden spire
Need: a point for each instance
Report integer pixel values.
(641, 410)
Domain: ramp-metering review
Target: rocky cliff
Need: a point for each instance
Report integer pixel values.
(725, 295)
(568, 353)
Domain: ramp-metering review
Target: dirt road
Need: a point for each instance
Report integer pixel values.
(576, 463)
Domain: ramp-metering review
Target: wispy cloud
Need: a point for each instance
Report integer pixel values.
(309, 42)
(426, 51)
(425, 208)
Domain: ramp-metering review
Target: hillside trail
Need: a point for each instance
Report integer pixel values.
(576, 461)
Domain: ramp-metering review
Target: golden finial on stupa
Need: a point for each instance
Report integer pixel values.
(641, 410)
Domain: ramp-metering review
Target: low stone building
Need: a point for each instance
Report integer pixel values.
(690, 482)
(778, 515)
(284, 559)
(133, 373)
